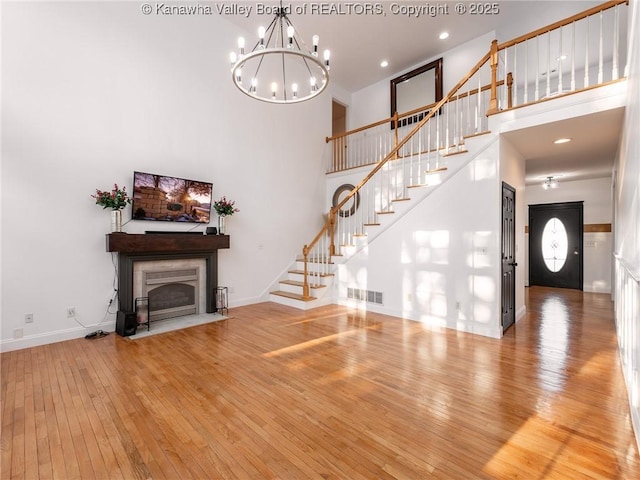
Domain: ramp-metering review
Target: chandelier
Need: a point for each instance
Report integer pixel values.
(280, 68)
(550, 182)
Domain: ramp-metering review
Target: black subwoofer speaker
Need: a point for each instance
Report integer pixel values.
(126, 323)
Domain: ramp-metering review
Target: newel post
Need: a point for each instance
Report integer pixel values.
(509, 90)
(493, 102)
(305, 282)
(332, 232)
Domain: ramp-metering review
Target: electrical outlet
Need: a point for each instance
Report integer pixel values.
(28, 318)
(17, 333)
(71, 312)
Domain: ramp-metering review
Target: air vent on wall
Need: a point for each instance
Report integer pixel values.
(366, 295)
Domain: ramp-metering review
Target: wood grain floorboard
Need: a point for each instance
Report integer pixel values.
(330, 393)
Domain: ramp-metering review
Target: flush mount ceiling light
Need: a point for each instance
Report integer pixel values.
(443, 35)
(384, 64)
(550, 182)
(561, 141)
(280, 68)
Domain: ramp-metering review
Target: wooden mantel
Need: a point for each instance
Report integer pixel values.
(165, 243)
(133, 248)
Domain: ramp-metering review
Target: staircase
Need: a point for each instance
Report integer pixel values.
(395, 169)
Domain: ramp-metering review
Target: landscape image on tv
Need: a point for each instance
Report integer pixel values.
(170, 199)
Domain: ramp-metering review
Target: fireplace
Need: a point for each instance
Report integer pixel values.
(134, 250)
(173, 287)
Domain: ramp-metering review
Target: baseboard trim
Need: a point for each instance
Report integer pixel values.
(40, 339)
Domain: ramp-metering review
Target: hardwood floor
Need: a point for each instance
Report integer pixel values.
(327, 394)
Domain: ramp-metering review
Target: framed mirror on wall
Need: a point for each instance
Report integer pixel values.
(415, 89)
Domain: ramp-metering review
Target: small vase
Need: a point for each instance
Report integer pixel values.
(116, 221)
(221, 224)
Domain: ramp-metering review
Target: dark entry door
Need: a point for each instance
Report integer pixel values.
(508, 295)
(555, 245)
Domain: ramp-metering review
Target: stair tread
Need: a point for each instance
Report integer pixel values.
(457, 152)
(294, 296)
(301, 272)
(296, 283)
(405, 199)
(477, 134)
(436, 170)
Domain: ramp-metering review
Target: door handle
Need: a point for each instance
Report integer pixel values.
(514, 264)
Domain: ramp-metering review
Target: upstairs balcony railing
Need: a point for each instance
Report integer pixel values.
(578, 53)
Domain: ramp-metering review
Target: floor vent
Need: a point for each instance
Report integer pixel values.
(366, 295)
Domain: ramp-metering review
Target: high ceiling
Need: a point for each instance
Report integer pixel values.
(359, 42)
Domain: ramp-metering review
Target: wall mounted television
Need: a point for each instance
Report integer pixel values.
(170, 199)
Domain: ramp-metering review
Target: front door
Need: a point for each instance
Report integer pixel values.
(555, 245)
(508, 256)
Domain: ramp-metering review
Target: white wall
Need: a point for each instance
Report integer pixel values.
(92, 91)
(372, 103)
(627, 227)
(597, 247)
(437, 267)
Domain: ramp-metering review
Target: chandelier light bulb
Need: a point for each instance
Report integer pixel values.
(316, 41)
(274, 90)
(312, 81)
(261, 33)
(294, 89)
(254, 85)
(241, 45)
(327, 55)
(290, 32)
(239, 76)
(233, 58)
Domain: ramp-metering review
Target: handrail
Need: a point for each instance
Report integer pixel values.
(493, 58)
(430, 106)
(402, 142)
(392, 154)
(562, 23)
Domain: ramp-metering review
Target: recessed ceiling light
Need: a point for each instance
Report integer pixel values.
(444, 35)
(562, 57)
(384, 64)
(561, 140)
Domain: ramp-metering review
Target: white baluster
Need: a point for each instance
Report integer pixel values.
(616, 32)
(586, 54)
(600, 53)
(548, 64)
(560, 62)
(537, 93)
(526, 73)
(504, 77)
(573, 56)
(515, 75)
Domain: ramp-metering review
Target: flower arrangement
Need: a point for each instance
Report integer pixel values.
(224, 207)
(116, 199)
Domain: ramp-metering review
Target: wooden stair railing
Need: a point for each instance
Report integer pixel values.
(441, 130)
(326, 236)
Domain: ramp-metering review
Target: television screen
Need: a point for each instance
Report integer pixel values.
(170, 199)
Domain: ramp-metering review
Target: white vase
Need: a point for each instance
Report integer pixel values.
(221, 224)
(116, 221)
